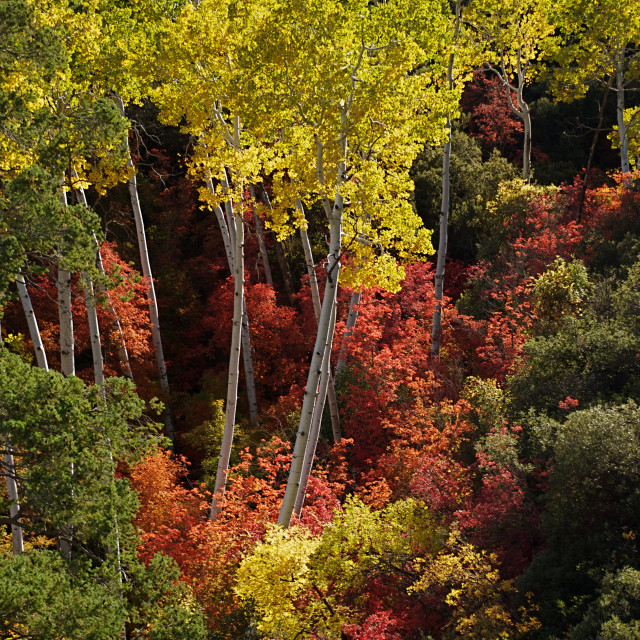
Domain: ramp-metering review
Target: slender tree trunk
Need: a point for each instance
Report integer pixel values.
(94, 330)
(316, 423)
(264, 255)
(12, 491)
(592, 151)
(436, 329)
(67, 365)
(352, 317)
(67, 348)
(32, 323)
(151, 293)
(92, 312)
(232, 223)
(234, 369)
(622, 127)
(315, 297)
(526, 151)
(229, 238)
(8, 460)
(324, 340)
(311, 271)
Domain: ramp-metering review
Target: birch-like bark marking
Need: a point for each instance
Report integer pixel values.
(247, 359)
(445, 204)
(151, 293)
(315, 297)
(264, 255)
(9, 462)
(32, 323)
(229, 238)
(322, 345)
(67, 347)
(94, 330)
(92, 312)
(316, 422)
(234, 370)
(436, 329)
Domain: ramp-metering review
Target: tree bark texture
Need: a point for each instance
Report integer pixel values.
(151, 293)
(229, 240)
(32, 323)
(316, 422)
(315, 297)
(234, 370)
(324, 340)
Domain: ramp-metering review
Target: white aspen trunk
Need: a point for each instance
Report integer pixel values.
(67, 365)
(32, 323)
(436, 329)
(445, 205)
(9, 462)
(94, 330)
(315, 297)
(324, 340)
(352, 317)
(311, 271)
(229, 239)
(525, 113)
(247, 359)
(625, 165)
(65, 313)
(151, 293)
(234, 371)
(12, 491)
(67, 348)
(264, 256)
(316, 423)
(522, 110)
(526, 150)
(92, 313)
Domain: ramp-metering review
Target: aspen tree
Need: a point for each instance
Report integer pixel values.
(441, 255)
(341, 171)
(315, 298)
(512, 37)
(145, 264)
(335, 100)
(598, 41)
(234, 365)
